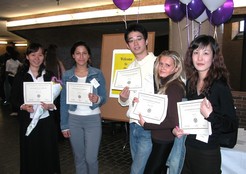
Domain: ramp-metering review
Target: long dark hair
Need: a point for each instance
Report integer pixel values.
(32, 48)
(217, 69)
(51, 60)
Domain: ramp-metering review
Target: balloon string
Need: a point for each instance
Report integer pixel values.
(180, 39)
(210, 30)
(196, 29)
(138, 10)
(199, 28)
(193, 30)
(188, 27)
(215, 33)
(124, 20)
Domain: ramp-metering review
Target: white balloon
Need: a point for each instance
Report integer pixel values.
(202, 17)
(186, 2)
(213, 4)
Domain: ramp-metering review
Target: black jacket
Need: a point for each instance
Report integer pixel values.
(223, 117)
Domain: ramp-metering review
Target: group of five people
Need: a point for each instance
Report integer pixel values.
(150, 144)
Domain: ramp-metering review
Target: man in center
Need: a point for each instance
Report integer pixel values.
(136, 37)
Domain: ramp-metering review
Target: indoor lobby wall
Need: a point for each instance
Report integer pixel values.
(232, 51)
(64, 38)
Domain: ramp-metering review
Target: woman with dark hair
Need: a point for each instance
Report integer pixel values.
(208, 79)
(54, 65)
(38, 150)
(82, 123)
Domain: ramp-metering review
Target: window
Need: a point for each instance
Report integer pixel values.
(237, 30)
(241, 26)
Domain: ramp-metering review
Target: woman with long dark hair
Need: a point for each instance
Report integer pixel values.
(207, 79)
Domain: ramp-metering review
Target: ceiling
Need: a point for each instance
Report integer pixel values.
(17, 8)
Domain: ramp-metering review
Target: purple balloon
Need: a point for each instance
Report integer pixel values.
(222, 14)
(175, 10)
(123, 4)
(195, 9)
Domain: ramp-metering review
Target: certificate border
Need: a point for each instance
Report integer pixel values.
(38, 102)
(191, 130)
(78, 83)
(130, 88)
(161, 96)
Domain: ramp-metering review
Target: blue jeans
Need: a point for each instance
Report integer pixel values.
(141, 146)
(176, 157)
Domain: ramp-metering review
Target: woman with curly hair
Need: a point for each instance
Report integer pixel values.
(207, 79)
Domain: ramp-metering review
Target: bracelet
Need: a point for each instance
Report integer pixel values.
(53, 108)
(22, 106)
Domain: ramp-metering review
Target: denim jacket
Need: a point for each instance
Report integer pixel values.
(69, 76)
(176, 157)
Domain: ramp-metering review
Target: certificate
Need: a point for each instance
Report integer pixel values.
(128, 77)
(77, 93)
(36, 92)
(153, 107)
(191, 119)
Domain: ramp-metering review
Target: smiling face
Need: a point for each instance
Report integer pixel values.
(137, 44)
(202, 59)
(166, 66)
(36, 58)
(81, 56)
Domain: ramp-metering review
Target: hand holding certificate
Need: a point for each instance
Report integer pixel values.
(36, 92)
(77, 93)
(127, 77)
(190, 118)
(40, 111)
(153, 107)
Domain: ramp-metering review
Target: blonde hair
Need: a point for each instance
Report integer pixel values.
(178, 63)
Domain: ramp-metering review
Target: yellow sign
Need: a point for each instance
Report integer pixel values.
(122, 58)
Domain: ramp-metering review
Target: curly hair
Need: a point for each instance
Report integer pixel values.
(217, 69)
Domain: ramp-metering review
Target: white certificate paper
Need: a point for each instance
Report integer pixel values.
(77, 93)
(191, 119)
(153, 107)
(36, 92)
(127, 77)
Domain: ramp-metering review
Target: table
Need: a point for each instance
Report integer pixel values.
(234, 160)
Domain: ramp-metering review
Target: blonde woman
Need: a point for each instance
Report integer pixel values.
(167, 71)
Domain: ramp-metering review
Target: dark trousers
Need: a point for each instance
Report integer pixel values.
(11, 80)
(156, 163)
(199, 161)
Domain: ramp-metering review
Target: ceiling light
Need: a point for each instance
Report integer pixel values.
(3, 42)
(99, 14)
(239, 3)
(87, 15)
(20, 44)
